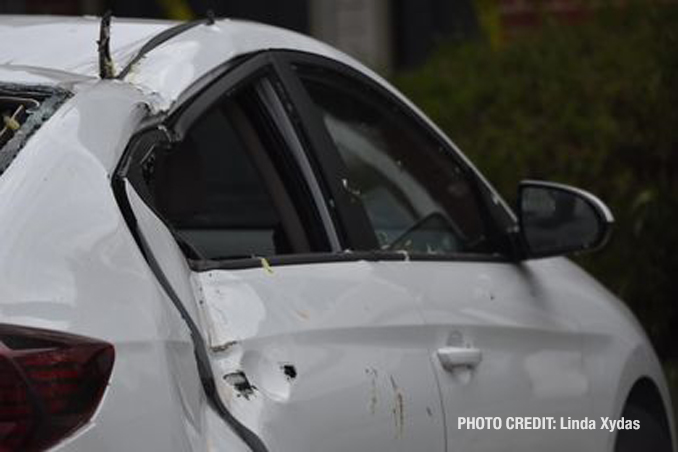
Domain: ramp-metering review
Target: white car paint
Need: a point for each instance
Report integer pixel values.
(361, 336)
(362, 374)
(526, 320)
(68, 263)
(67, 45)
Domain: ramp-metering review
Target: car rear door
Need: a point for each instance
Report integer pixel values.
(309, 347)
(500, 339)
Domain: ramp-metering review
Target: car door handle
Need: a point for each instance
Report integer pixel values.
(455, 357)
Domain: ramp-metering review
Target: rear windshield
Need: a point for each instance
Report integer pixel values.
(22, 111)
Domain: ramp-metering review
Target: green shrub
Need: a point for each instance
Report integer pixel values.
(594, 105)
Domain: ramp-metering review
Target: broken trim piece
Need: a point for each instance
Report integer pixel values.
(342, 256)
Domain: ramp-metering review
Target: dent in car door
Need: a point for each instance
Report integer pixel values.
(326, 357)
(311, 356)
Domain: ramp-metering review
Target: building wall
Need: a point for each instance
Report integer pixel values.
(361, 28)
(385, 34)
(519, 14)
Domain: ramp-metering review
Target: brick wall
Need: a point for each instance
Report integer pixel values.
(517, 14)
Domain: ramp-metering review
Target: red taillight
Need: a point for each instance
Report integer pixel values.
(50, 384)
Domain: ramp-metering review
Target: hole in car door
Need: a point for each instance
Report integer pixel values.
(318, 355)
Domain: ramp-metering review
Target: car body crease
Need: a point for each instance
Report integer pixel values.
(204, 368)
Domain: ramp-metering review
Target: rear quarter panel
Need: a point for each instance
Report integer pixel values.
(69, 263)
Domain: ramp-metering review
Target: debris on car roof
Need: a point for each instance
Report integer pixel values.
(14, 111)
(106, 67)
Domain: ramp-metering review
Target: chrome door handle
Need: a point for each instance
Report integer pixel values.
(455, 357)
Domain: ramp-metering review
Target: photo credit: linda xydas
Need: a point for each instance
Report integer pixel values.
(545, 423)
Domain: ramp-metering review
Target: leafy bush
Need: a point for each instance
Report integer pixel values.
(594, 105)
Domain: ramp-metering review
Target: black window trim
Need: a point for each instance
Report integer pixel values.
(265, 262)
(166, 129)
(182, 117)
(283, 122)
(351, 221)
(163, 131)
(140, 145)
(255, 71)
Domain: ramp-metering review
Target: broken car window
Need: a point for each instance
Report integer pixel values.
(22, 112)
(220, 190)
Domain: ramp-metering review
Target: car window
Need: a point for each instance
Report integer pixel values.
(417, 197)
(221, 190)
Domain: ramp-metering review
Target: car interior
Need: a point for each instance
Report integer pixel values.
(220, 189)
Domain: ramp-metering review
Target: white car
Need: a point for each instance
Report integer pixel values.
(223, 236)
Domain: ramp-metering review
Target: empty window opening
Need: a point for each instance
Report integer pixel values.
(227, 189)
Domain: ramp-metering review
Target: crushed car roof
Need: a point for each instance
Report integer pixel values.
(43, 44)
(51, 49)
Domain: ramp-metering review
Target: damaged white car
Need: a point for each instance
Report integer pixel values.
(223, 236)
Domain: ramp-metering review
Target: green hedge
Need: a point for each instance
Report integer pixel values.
(594, 105)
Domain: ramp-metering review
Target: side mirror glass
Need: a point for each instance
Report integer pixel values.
(558, 219)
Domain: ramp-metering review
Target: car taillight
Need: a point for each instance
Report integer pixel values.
(50, 384)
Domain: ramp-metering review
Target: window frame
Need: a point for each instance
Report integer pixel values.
(351, 220)
(501, 235)
(168, 130)
(349, 223)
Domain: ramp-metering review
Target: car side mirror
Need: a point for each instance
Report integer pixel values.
(556, 219)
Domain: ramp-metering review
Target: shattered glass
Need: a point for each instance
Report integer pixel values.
(22, 111)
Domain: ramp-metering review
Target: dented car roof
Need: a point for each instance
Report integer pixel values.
(155, 68)
(61, 50)
(52, 46)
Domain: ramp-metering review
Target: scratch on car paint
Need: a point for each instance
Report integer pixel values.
(241, 384)
(223, 347)
(155, 102)
(303, 314)
(398, 409)
(373, 389)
